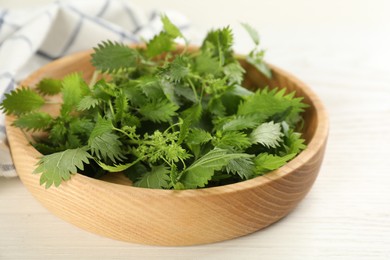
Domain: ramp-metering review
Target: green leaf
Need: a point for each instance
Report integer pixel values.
(159, 44)
(234, 72)
(74, 89)
(252, 33)
(34, 121)
(121, 106)
(202, 170)
(20, 101)
(115, 167)
(220, 43)
(150, 86)
(220, 38)
(57, 133)
(198, 136)
(206, 64)
(178, 69)
(216, 107)
(58, 167)
(294, 143)
(237, 123)
(265, 162)
(268, 134)
(266, 103)
(232, 139)
(170, 28)
(256, 59)
(161, 110)
(243, 167)
(103, 143)
(49, 86)
(87, 102)
(157, 178)
(112, 57)
(106, 145)
(190, 116)
(81, 126)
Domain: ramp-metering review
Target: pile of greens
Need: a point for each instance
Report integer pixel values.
(167, 118)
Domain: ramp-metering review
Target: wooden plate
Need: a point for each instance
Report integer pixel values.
(168, 217)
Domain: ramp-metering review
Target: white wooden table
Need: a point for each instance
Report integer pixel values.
(341, 49)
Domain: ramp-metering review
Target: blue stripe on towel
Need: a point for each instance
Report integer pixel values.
(104, 8)
(2, 15)
(7, 167)
(8, 89)
(98, 21)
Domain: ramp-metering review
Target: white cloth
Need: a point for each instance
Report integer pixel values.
(31, 38)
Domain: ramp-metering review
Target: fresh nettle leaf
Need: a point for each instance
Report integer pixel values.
(34, 121)
(160, 110)
(87, 102)
(104, 143)
(268, 134)
(243, 166)
(269, 103)
(256, 56)
(178, 69)
(157, 178)
(202, 170)
(74, 89)
(233, 139)
(112, 57)
(49, 86)
(252, 33)
(237, 123)
(234, 72)
(58, 167)
(167, 117)
(170, 28)
(115, 167)
(198, 136)
(159, 44)
(21, 101)
(265, 162)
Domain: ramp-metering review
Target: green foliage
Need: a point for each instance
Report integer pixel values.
(160, 110)
(256, 56)
(167, 120)
(170, 28)
(111, 57)
(49, 86)
(58, 167)
(202, 170)
(33, 121)
(233, 139)
(252, 33)
(243, 166)
(273, 103)
(159, 44)
(265, 162)
(87, 102)
(21, 101)
(156, 178)
(74, 89)
(104, 144)
(268, 134)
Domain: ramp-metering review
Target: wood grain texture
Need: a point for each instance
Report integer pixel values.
(162, 217)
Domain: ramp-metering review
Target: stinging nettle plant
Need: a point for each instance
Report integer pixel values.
(166, 118)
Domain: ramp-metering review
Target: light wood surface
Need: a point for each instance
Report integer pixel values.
(340, 49)
(171, 218)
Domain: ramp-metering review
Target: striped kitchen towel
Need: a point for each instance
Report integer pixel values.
(31, 38)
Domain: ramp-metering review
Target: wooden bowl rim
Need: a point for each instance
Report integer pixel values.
(313, 147)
